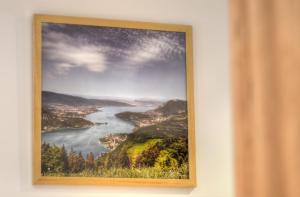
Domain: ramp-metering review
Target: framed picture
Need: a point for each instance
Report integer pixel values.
(113, 103)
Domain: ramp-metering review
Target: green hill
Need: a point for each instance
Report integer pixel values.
(172, 107)
(163, 146)
(132, 117)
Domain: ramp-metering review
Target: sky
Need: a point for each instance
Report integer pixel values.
(113, 62)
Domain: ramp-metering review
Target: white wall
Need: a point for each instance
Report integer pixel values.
(213, 116)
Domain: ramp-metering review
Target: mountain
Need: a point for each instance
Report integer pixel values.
(132, 116)
(64, 99)
(161, 113)
(147, 102)
(172, 107)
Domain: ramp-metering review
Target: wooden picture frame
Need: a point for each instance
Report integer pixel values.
(40, 61)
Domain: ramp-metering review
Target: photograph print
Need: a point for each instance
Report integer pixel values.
(114, 102)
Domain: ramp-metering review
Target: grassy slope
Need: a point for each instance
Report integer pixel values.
(134, 151)
(168, 138)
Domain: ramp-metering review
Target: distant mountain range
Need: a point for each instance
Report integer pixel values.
(132, 101)
(64, 99)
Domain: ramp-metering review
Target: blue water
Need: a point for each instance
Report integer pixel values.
(87, 140)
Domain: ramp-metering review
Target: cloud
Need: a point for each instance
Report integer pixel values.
(66, 53)
(159, 48)
(97, 49)
(147, 50)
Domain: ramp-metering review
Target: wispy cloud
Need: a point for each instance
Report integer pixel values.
(90, 60)
(58, 48)
(95, 49)
(160, 49)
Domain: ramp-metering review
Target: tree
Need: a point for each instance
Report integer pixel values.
(125, 162)
(64, 159)
(81, 162)
(76, 162)
(148, 157)
(45, 157)
(90, 162)
(51, 162)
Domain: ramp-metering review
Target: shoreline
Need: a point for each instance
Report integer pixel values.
(96, 109)
(61, 129)
(100, 123)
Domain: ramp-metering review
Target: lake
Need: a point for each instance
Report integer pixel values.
(87, 140)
